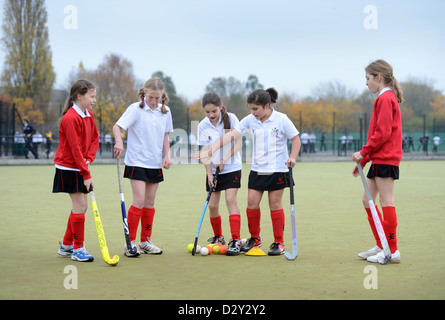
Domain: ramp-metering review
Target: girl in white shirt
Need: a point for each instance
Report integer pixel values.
(270, 130)
(210, 130)
(148, 123)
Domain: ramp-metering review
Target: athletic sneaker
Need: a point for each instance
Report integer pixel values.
(149, 248)
(81, 255)
(65, 250)
(234, 248)
(371, 252)
(276, 249)
(133, 246)
(216, 239)
(252, 242)
(395, 257)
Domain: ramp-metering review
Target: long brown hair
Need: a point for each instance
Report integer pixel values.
(154, 84)
(383, 68)
(215, 99)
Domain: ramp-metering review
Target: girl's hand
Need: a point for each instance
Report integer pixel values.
(118, 149)
(88, 183)
(291, 162)
(210, 180)
(166, 162)
(357, 156)
(355, 171)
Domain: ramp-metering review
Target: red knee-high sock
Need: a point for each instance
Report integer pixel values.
(216, 226)
(278, 225)
(134, 215)
(253, 220)
(68, 237)
(78, 228)
(147, 217)
(390, 227)
(371, 223)
(235, 226)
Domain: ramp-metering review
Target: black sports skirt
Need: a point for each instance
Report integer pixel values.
(268, 182)
(68, 181)
(144, 174)
(383, 171)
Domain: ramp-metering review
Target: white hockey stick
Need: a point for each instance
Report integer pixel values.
(375, 217)
(294, 254)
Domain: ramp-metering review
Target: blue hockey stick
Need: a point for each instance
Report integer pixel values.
(215, 177)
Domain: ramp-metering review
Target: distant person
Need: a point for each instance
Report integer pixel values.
(312, 140)
(323, 142)
(49, 139)
(148, 152)
(78, 144)
(28, 132)
(304, 141)
(411, 143)
(384, 149)
(210, 130)
(436, 142)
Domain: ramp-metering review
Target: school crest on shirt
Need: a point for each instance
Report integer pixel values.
(274, 132)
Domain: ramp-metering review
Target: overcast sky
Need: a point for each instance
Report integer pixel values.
(288, 44)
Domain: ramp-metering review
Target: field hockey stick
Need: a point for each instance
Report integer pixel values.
(376, 219)
(101, 234)
(131, 249)
(294, 254)
(215, 177)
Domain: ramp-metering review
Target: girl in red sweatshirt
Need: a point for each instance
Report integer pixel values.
(384, 149)
(78, 144)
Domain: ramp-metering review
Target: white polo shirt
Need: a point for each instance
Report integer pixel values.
(146, 131)
(270, 152)
(208, 134)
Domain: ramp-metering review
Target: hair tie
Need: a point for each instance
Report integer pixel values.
(393, 76)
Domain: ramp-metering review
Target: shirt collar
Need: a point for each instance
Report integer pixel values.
(384, 90)
(147, 107)
(79, 111)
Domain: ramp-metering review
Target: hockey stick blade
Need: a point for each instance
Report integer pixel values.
(113, 261)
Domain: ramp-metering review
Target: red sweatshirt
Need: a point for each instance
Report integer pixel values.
(78, 141)
(384, 145)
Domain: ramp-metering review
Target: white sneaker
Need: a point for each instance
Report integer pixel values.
(371, 252)
(149, 248)
(379, 257)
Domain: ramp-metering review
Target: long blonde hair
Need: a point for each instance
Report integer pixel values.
(383, 68)
(154, 84)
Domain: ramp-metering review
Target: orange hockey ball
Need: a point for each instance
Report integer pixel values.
(223, 249)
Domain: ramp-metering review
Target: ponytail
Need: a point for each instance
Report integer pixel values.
(225, 118)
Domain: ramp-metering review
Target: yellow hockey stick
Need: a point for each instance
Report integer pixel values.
(114, 260)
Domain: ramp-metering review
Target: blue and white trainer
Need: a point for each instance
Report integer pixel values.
(65, 250)
(81, 255)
